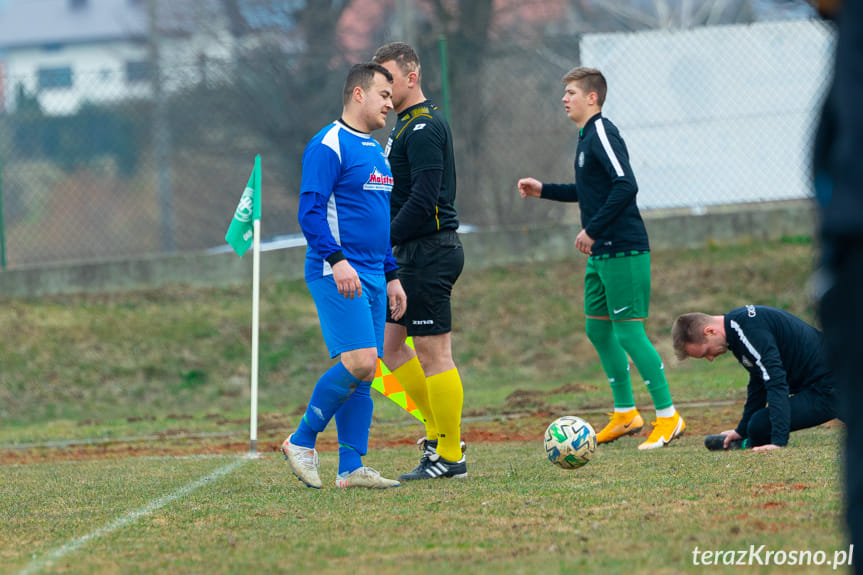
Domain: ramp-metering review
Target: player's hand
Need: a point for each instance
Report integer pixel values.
(767, 447)
(529, 187)
(398, 300)
(584, 243)
(730, 435)
(347, 280)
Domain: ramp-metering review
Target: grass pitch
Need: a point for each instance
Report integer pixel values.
(124, 424)
(625, 512)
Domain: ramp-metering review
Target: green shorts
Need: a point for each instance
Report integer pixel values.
(617, 286)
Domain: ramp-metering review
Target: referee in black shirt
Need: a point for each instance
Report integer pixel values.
(430, 258)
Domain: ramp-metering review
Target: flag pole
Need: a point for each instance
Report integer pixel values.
(245, 232)
(256, 297)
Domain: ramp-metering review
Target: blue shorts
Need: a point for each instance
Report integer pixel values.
(349, 324)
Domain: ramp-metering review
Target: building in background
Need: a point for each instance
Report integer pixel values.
(68, 52)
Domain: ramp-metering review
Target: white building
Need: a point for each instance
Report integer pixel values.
(720, 114)
(67, 52)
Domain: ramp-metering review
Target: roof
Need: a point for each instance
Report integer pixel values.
(40, 22)
(26, 23)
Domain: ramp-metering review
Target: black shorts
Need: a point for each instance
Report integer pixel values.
(428, 268)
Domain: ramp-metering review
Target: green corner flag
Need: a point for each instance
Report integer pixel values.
(240, 233)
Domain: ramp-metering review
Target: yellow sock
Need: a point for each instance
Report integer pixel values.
(446, 397)
(413, 380)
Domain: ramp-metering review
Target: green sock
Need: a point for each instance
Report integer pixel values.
(600, 332)
(634, 340)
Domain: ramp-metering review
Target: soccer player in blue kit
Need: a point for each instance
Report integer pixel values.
(790, 387)
(350, 270)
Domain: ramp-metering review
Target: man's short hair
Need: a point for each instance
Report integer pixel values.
(402, 54)
(363, 75)
(589, 80)
(688, 328)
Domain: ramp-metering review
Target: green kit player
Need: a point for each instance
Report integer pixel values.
(617, 277)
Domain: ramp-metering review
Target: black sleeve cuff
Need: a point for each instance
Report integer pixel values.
(335, 257)
(392, 275)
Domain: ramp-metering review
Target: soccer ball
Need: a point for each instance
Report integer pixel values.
(570, 442)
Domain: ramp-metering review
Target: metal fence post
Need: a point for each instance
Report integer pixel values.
(444, 73)
(2, 222)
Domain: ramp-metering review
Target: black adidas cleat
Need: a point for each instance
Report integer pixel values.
(432, 466)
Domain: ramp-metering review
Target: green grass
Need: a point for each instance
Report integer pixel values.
(625, 512)
(183, 353)
(143, 384)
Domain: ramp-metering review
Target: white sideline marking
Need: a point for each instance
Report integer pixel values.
(47, 560)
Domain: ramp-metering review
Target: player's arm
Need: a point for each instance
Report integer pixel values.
(756, 398)
(396, 296)
(779, 408)
(321, 168)
(559, 192)
(312, 215)
(769, 378)
(615, 160)
(774, 382)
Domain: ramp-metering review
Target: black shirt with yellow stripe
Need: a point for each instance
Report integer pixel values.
(420, 152)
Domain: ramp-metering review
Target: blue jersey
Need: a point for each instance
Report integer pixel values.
(345, 202)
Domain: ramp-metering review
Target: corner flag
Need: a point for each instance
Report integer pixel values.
(386, 383)
(240, 232)
(245, 231)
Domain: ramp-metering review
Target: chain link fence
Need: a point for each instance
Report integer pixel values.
(711, 115)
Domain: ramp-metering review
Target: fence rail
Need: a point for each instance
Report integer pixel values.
(710, 115)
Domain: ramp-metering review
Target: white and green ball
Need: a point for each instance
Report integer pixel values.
(570, 442)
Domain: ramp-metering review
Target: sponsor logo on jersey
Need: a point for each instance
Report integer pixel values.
(389, 147)
(378, 181)
(581, 159)
(746, 361)
(419, 126)
(372, 144)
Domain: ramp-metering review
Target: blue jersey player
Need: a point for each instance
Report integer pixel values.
(351, 273)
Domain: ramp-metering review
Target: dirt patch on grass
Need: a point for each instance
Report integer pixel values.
(273, 427)
(537, 399)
